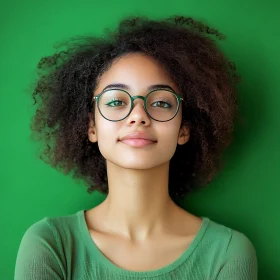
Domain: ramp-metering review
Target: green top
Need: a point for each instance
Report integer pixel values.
(62, 248)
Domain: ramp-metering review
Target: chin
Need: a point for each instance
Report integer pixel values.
(136, 164)
(138, 161)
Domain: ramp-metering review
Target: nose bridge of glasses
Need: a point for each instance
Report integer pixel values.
(138, 96)
(135, 97)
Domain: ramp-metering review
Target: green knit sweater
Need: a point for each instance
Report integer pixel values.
(62, 248)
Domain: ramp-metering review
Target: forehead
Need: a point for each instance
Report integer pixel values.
(136, 70)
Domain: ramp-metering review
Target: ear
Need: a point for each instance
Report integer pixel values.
(184, 134)
(92, 133)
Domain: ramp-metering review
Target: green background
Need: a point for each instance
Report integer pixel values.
(244, 196)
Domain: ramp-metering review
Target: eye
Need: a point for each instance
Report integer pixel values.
(115, 103)
(161, 104)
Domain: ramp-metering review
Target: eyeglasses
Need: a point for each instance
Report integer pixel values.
(116, 104)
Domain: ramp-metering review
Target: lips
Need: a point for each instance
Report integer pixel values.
(138, 135)
(137, 139)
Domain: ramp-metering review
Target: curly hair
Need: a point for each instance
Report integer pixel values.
(206, 79)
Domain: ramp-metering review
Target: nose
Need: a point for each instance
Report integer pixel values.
(138, 115)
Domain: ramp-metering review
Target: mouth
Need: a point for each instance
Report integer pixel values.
(137, 142)
(138, 139)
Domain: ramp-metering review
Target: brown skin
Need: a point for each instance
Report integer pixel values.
(138, 214)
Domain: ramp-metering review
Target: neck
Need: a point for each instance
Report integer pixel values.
(138, 204)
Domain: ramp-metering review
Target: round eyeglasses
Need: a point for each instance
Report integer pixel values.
(116, 104)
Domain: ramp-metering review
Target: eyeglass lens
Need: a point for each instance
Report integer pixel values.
(116, 104)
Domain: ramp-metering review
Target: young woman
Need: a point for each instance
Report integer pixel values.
(143, 115)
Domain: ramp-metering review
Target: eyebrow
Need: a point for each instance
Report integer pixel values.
(150, 88)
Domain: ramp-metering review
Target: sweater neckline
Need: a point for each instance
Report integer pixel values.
(98, 255)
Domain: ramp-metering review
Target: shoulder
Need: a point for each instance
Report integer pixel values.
(45, 247)
(234, 242)
(37, 232)
(240, 244)
(48, 234)
(231, 250)
(50, 228)
(237, 254)
(56, 234)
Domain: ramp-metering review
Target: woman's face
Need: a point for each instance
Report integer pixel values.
(138, 72)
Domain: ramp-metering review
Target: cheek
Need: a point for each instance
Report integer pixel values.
(169, 138)
(107, 135)
(173, 141)
(105, 145)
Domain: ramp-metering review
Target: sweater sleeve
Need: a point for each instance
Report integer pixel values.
(39, 256)
(241, 259)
